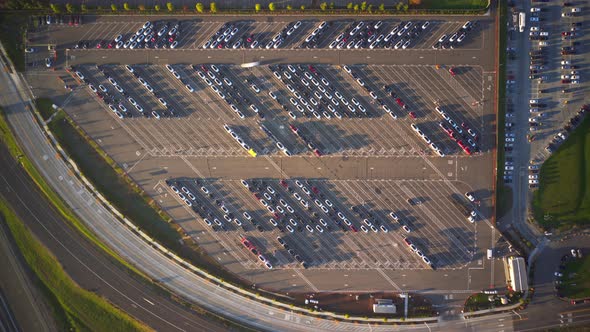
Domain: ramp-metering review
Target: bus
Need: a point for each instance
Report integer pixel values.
(521, 21)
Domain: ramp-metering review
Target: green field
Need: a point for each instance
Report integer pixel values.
(448, 4)
(563, 198)
(576, 279)
(84, 310)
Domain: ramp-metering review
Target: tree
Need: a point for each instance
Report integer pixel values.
(69, 8)
(382, 7)
(170, 6)
(199, 7)
(55, 7)
(272, 7)
(141, 8)
(363, 5)
(213, 7)
(302, 7)
(289, 7)
(157, 8)
(83, 8)
(126, 6)
(356, 8)
(349, 6)
(398, 7)
(257, 7)
(323, 6)
(113, 7)
(332, 5)
(370, 8)
(405, 7)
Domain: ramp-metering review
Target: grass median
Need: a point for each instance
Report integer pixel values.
(84, 310)
(563, 198)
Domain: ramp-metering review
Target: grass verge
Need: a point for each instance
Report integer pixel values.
(448, 4)
(503, 192)
(575, 283)
(84, 310)
(13, 26)
(563, 198)
(44, 105)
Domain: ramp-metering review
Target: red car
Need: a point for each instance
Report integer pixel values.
(257, 196)
(312, 69)
(315, 190)
(204, 68)
(352, 228)
(293, 129)
(284, 183)
(467, 150)
(413, 115)
(317, 153)
(110, 45)
(407, 241)
(452, 71)
(400, 102)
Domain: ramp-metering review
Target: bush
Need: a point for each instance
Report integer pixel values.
(199, 7)
(157, 8)
(364, 6)
(272, 7)
(126, 6)
(170, 6)
(382, 7)
(55, 7)
(302, 7)
(213, 7)
(323, 6)
(113, 7)
(83, 8)
(257, 7)
(289, 7)
(349, 6)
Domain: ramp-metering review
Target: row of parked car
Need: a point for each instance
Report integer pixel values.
(72, 20)
(464, 136)
(360, 35)
(451, 41)
(313, 94)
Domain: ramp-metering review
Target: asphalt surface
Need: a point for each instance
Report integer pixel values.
(149, 151)
(143, 255)
(89, 266)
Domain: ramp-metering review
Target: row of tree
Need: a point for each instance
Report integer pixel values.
(200, 7)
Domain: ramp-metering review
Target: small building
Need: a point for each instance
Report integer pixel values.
(384, 306)
(517, 274)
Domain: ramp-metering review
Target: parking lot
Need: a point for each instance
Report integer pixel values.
(334, 34)
(313, 217)
(408, 134)
(557, 58)
(323, 127)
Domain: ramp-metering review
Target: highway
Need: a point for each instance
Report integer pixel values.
(88, 265)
